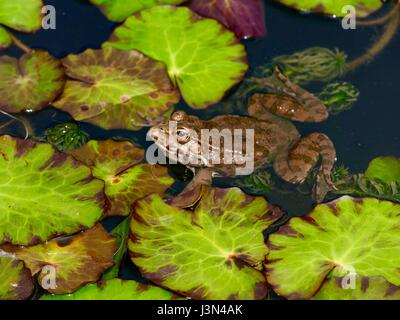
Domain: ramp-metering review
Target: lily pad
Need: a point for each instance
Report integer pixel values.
(115, 289)
(203, 58)
(349, 234)
(116, 89)
(77, 260)
(126, 181)
(44, 193)
(363, 7)
(15, 280)
(214, 252)
(245, 18)
(385, 169)
(359, 288)
(21, 15)
(30, 83)
(5, 38)
(119, 10)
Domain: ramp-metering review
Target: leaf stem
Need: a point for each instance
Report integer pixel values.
(380, 20)
(20, 44)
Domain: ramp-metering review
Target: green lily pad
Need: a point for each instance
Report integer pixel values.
(126, 181)
(15, 280)
(363, 7)
(385, 169)
(5, 38)
(77, 260)
(365, 288)
(119, 10)
(30, 83)
(346, 235)
(203, 58)
(44, 193)
(21, 15)
(115, 289)
(116, 89)
(214, 252)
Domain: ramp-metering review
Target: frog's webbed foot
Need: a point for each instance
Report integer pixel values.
(291, 101)
(193, 191)
(296, 164)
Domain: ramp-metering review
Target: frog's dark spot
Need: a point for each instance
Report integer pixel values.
(63, 242)
(84, 108)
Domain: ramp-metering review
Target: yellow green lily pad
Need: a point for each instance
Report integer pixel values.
(44, 193)
(385, 169)
(119, 10)
(117, 163)
(5, 38)
(21, 15)
(203, 58)
(346, 235)
(214, 252)
(30, 83)
(15, 280)
(116, 89)
(77, 260)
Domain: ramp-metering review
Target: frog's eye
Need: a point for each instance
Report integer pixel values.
(183, 136)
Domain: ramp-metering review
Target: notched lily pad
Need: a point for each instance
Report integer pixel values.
(21, 15)
(212, 253)
(119, 10)
(44, 193)
(203, 58)
(126, 181)
(385, 169)
(77, 260)
(115, 289)
(346, 235)
(116, 89)
(245, 18)
(363, 7)
(30, 83)
(15, 280)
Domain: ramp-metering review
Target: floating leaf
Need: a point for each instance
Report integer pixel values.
(115, 289)
(213, 253)
(347, 235)
(119, 10)
(116, 89)
(15, 280)
(245, 18)
(357, 288)
(77, 260)
(203, 58)
(44, 193)
(5, 38)
(363, 7)
(385, 169)
(21, 15)
(30, 83)
(116, 164)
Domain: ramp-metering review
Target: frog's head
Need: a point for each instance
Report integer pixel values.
(179, 138)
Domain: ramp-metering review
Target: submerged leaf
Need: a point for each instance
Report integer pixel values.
(44, 193)
(116, 89)
(77, 260)
(347, 235)
(15, 280)
(213, 253)
(21, 15)
(119, 10)
(335, 7)
(5, 38)
(126, 181)
(115, 289)
(245, 18)
(385, 169)
(30, 83)
(203, 58)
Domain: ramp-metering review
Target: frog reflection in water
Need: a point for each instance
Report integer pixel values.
(276, 140)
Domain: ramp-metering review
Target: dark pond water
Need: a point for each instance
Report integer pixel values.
(370, 129)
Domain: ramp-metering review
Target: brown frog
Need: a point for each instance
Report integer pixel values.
(276, 140)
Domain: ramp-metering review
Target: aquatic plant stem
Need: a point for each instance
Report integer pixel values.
(26, 125)
(20, 44)
(378, 46)
(380, 20)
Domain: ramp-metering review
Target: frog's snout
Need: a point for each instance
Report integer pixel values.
(155, 133)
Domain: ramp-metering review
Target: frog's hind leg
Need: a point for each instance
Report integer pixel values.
(296, 103)
(295, 164)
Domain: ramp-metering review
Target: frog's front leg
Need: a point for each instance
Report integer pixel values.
(292, 102)
(295, 164)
